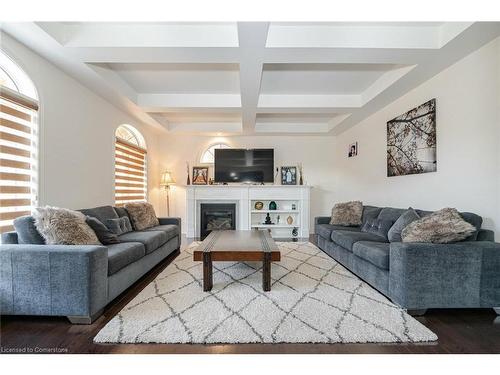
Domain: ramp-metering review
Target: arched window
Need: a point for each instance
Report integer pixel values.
(18, 143)
(130, 166)
(208, 156)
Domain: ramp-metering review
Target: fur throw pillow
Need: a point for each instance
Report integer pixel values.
(347, 214)
(443, 226)
(142, 215)
(60, 226)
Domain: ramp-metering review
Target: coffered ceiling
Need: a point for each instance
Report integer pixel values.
(252, 78)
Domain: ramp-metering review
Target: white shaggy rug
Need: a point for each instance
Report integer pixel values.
(313, 300)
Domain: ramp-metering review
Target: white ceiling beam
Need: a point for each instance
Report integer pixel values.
(291, 127)
(309, 101)
(154, 55)
(205, 127)
(252, 40)
(151, 34)
(148, 102)
(345, 35)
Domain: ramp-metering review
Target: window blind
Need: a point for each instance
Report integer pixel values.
(130, 173)
(18, 118)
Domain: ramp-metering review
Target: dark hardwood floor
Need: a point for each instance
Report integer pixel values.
(459, 331)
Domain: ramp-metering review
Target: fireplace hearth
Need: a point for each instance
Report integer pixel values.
(216, 216)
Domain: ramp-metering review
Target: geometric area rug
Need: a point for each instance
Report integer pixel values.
(313, 299)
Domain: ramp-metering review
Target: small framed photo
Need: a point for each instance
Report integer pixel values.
(288, 175)
(200, 175)
(353, 150)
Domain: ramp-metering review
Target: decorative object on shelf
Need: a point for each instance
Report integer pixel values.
(276, 175)
(278, 219)
(294, 206)
(188, 182)
(353, 150)
(268, 219)
(288, 175)
(289, 220)
(273, 205)
(166, 181)
(259, 205)
(210, 181)
(411, 141)
(301, 173)
(200, 175)
(295, 233)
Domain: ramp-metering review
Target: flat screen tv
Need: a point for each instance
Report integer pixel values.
(244, 166)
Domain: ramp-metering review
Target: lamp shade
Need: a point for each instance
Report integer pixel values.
(167, 179)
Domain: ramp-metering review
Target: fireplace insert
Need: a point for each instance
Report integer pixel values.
(217, 216)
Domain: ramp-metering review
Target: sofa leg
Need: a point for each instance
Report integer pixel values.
(85, 319)
(497, 310)
(416, 312)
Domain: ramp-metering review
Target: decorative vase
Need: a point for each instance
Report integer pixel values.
(289, 220)
(273, 205)
(259, 205)
(188, 182)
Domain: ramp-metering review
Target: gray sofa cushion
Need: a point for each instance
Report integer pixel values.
(121, 212)
(105, 236)
(325, 230)
(119, 225)
(391, 213)
(370, 212)
(347, 239)
(475, 220)
(170, 230)
(377, 226)
(151, 240)
(103, 213)
(122, 254)
(401, 223)
(27, 232)
(377, 253)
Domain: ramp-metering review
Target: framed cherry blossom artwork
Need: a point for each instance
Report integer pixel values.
(411, 141)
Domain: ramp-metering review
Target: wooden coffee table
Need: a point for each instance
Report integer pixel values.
(237, 246)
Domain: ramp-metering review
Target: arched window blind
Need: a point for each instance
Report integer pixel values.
(130, 166)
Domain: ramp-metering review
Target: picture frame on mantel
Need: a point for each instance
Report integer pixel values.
(288, 175)
(200, 176)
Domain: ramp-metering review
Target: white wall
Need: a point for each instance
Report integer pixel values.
(468, 145)
(77, 137)
(314, 152)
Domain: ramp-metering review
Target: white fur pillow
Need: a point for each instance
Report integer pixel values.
(347, 214)
(60, 226)
(443, 226)
(142, 215)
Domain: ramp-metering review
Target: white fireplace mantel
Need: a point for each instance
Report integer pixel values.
(244, 197)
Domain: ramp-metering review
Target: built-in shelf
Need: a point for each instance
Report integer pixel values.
(274, 226)
(247, 217)
(275, 211)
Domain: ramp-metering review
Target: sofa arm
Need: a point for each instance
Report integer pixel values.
(322, 220)
(486, 235)
(171, 221)
(58, 280)
(462, 274)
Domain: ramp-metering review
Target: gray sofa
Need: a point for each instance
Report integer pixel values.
(79, 281)
(418, 276)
